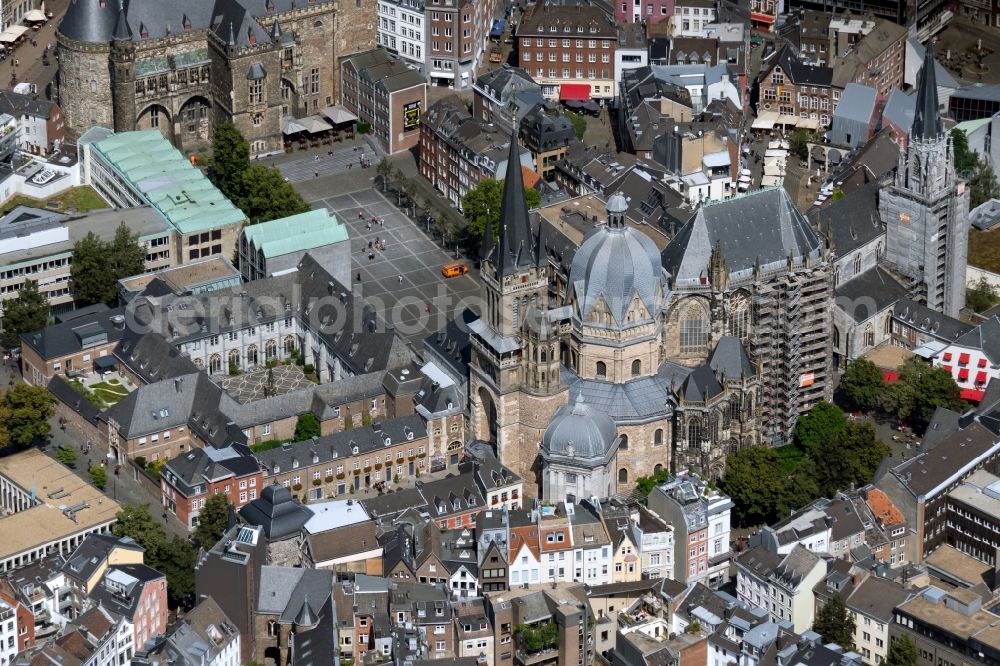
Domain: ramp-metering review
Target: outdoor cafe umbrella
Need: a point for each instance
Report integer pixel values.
(290, 125)
(35, 16)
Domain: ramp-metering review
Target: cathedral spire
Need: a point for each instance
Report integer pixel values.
(122, 32)
(927, 117)
(516, 247)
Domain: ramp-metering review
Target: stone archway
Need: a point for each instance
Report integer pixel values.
(156, 116)
(194, 121)
(215, 364)
(488, 412)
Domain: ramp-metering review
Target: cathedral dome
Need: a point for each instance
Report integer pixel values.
(615, 263)
(579, 432)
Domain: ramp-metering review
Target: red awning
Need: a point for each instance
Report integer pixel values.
(947, 368)
(972, 394)
(578, 91)
(980, 377)
(947, 356)
(963, 359)
(762, 18)
(982, 363)
(963, 374)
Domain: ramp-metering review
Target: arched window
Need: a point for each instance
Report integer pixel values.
(272, 628)
(888, 325)
(215, 364)
(623, 444)
(693, 328)
(739, 318)
(270, 349)
(543, 357)
(836, 338)
(234, 359)
(869, 336)
(695, 433)
(636, 368)
(734, 408)
(602, 370)
(657, 468)
(713, 428)
(748, 406)
(623, 475)
(857, 264)
(658, 437)
(252, 354)
(289, 344)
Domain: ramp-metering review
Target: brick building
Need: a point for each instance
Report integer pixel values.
(382, 91)
(186, 66)
(188, 480)
(876, 60)
(639, 11)
(569, 50)
(795, 91)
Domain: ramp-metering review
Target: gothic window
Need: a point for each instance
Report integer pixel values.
(734, 408)
(623, 475)
(215, 364)
(602, 370)
(623, 445)
(658, 437)
(857, 264)
(636, 368)
(739, 317)
(234, 358)
(869, 336)
(543, 357)
(836, 338)
(888, 325)
(154, 117)
(695, 433)
(713, 427)
(693, 329)
(256, 91)
(748, 406)
(289, 344)
(272, 628)
(270, 349)
(252, 354)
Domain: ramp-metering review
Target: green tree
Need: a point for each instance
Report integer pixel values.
(213, 519)
(306, 427)
(798, 143)
(834, 624)
(754, 482)
(265, 195)
(97, 266)
(579, 124)
(66, 455)
(24, 314)
(176, 560)
(863, 384)
(645, 484)
(965, 160)
(981, 296)
(136, 522)
(822, 423)
(230, 158)
(902, 652)
(28, 410)
(484, 200)
(128, 256)
(800, 489)
(384, 169)
(919, 391)
(99, 476)
(983, 184)
(850, 460)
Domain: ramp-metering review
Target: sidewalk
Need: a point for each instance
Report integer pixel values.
(29, 57)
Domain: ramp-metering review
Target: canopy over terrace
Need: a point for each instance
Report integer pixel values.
(338, 115)
(13, 33)
(35, 16)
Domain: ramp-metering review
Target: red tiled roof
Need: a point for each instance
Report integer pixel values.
(882, 507)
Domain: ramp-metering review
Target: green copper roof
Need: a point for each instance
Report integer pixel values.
(165, 178)
(295, 233)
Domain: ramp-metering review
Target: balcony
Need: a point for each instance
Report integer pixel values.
(550, 656)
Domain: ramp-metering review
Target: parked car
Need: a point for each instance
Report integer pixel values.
(454, 270)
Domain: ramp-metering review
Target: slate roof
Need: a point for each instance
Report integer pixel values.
(927, 123)
(125, 603)
(19, 105)
(642, 399)
(381, 69)
(925, 472)
(730, 358)
(451, 495)
(985, 337)
(762, 227)
(613, 266)
(924, 318)
(900, 109)
(451, 346)
(515, 248)
(69, 337)
(503, 81)
(343, 541)
(851, 222)
(392, 504)
(197, 466)
(798, 73)
(276, 513)
(877, 597)
(857, 103)
(191, 643)
(867, 294)
(92, 552)
(579, 431)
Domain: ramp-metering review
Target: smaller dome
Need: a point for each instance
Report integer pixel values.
(579, 432)
(617, 203)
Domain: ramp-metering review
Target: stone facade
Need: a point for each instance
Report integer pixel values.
(185, 76)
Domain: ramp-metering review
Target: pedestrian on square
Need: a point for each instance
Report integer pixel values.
(400, 279)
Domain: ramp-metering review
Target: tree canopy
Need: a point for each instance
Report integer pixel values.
(485, 199)
(919, 391)
(98, 265)
(174, 558)
(579, 124)
(213, 518)
(230, 158)
(754, 482)
(834, 623)
(863, 383)
(821, 424)
(981, 296)
(902, 652)
(306, 427)
(24, 314)
(263, 194)
(26, 411)
(965, 159)
(983, 184)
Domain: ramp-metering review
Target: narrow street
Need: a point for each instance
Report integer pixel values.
(25, 62)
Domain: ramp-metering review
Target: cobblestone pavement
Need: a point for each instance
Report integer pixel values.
(331, 161)
(405, 277)
(253, 385)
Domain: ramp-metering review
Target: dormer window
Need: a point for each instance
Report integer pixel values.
(251, 37)
(354, 450)
(295, 464)
(277, 469)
